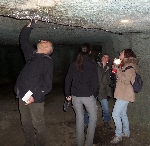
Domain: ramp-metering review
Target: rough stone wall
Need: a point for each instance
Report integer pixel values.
(141, 46)
(12, 62)
(63, 56)
(108, 48)
(115, 44)
(139, 110)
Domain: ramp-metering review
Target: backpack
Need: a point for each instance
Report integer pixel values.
(137, 85)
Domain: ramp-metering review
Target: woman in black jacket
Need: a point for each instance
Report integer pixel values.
(81, 85)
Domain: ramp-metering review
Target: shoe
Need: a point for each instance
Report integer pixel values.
(116, 140)
(125, 135)
(106, 125)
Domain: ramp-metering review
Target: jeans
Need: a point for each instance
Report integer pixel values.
(86, 118)
(33, 123)
(90, 105)
(120, 113)
(105, 109)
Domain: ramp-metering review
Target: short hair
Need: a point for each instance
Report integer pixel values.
(107, 55)
(43, 44)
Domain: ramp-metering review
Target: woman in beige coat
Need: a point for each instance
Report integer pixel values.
(124, 94)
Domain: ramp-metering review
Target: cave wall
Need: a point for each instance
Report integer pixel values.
(12, 62)
(63, 56)
(107, 47)
(139, 110)
(141, 46)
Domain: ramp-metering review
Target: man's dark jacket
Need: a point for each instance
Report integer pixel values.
(104, 81)
(82, 84)
(37, 74)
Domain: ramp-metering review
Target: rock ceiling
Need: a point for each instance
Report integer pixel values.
(67, 21)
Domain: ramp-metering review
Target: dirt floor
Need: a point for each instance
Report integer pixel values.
(60, 125)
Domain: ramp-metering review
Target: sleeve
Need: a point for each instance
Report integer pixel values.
(68, 81)
(26, 46)
(95, 81)
(109, 89)
(126, 76)
(46, 86)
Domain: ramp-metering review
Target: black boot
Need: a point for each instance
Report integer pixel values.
(107, 126)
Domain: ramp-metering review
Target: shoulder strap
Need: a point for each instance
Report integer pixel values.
(128, 67)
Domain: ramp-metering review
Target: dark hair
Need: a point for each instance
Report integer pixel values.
(107, 55)
(84, 49)
(127, 54)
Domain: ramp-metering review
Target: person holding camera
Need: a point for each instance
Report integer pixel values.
(81, 85)
(124, 93)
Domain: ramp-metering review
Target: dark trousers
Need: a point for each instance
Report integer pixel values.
(33, 123)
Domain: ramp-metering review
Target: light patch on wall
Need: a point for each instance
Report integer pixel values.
(124, 21)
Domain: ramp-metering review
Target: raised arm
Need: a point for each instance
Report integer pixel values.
(26, 46)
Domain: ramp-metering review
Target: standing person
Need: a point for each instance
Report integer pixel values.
(124, 94)
(81, 85)
(105, 91)
(35, 78)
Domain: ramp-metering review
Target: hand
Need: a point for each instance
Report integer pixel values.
(108, 97)
(69, 98)
(113, 66)
(36, 21)
(32, 22)
(30, 100)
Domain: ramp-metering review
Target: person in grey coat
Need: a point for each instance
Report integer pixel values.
(105, 91)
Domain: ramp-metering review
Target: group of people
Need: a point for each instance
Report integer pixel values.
(86, 83)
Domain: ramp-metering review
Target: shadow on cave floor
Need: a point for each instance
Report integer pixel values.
(60, 125)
